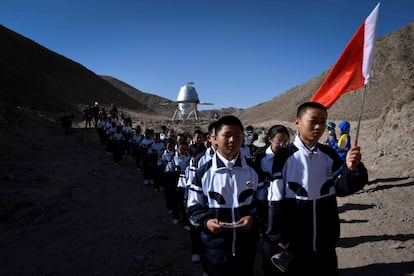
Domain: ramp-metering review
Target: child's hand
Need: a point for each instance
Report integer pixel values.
(247, 221)
(353, 158)
(214, 226)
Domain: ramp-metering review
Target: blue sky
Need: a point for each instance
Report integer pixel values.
(238, 53)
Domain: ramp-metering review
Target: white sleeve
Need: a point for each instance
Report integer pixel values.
(276, 190)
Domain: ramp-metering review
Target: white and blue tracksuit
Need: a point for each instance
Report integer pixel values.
(303, 205)
(228, 193)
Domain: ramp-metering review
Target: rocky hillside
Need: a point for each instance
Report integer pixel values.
(391, 87)
(148, 102)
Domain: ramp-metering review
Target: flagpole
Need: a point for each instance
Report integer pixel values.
(360, 116)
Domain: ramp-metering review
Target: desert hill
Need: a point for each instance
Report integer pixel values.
(391, 85)
(148, 101)
(42, 80)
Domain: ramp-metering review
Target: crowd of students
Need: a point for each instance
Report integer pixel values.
(230, 192)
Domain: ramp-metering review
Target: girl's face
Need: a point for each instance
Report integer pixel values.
(278, 141)
(229, 141)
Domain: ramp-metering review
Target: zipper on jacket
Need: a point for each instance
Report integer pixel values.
(233, 244)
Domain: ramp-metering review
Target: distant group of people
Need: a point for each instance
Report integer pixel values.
(230, 187)
(94, 114)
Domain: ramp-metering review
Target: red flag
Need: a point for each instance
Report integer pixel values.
(353, 68)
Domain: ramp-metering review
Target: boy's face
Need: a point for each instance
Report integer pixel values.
(311, 125)
(229, 140)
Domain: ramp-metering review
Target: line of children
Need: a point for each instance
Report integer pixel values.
(225, 195)
(112, 137)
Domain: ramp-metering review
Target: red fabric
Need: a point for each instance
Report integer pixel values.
(346, 75)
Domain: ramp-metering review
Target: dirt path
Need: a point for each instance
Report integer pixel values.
(66, 209)
(69, 211)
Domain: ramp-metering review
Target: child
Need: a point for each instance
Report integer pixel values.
(198, 138)
(157, 165)
(181, 162)
(146, 160)
(206, 154)
(196, 245)
(344, 143)
(117, 141)
(127, 133)
(222, 202)
(137, 137)
(180, 137)
(307, 178)
(331, 137)
(171, 175)
(249, 137)
(278, 136)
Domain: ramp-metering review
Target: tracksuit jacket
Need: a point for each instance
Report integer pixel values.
(303, 206)
(228, 194)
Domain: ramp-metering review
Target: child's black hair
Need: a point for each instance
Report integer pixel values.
(228, 120)
(303, 107)
(273, 130)
(194, 149)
